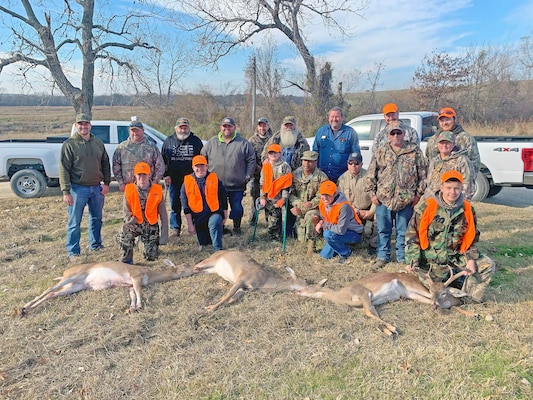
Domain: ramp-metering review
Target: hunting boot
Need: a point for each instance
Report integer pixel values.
(237, 226)
(311, 247)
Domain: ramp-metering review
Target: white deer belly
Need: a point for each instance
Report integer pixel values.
(391, 291)
(224, 269)
(105, 278)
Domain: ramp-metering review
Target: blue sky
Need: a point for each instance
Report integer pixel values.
(396, 33)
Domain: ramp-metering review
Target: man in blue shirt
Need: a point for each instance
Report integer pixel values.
(334, 142)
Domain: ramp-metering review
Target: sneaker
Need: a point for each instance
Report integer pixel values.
(380, 263)
(342, 259)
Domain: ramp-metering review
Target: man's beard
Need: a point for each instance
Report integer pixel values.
(182, 136)
(288, 137)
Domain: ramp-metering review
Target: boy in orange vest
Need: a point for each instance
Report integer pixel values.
(340, 223)
(275, 181)
(144, 206)
(205, 204)
(443, 233)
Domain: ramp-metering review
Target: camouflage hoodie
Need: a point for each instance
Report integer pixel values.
(445, 235)
(457, 161)
(396, 178)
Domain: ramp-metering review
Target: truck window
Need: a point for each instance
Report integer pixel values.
(429, 126)
(101, 132)
(362, 128)
(123, 133)
(405, 122)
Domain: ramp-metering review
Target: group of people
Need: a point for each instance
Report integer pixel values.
(324, 191)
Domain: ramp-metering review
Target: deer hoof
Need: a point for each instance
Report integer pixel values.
(23, 312)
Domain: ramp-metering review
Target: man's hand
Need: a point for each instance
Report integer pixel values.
(105, 189)
(366, 214)
(296, 211)
(191, 229)
(68, 200)
(471, 267)
(280, 203)
(318, 226)
(415, 201)
(375, 200)
(121, 187)
(168, 180)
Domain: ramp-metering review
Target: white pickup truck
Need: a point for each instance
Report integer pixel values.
(505, 160)
(33, 164)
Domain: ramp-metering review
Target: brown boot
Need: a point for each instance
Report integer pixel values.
(311, 247)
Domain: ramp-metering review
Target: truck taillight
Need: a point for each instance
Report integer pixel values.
(527, 157)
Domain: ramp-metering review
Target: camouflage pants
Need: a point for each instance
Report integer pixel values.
(148, 235)
(274, 220)
(305, 227)
(474, 285)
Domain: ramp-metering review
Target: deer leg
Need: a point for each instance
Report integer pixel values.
(466, 313)
(370, 311)
(133, 300)
(238, 285)
(237, 296)
(69, 286)
(137, 290)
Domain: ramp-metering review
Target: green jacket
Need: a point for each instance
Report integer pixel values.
(83, 162)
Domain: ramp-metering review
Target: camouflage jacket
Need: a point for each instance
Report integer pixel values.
(258, 144)
(411, 136)
(300, 146)
(128, 154)
(464, 142)
(445, 235)
(306, 188)
(353, 188)
(396, 178)
(457, 161)
(279, 169)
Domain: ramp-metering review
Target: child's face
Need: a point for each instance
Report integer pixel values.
(273, 156)
(142, 181)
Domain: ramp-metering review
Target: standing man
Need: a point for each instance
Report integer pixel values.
(352, 185)
(305, 197)
(262, 134)
(205, 203)
(84, 165)
(292, 142)
(443, 233)
(395, 181)
(391, 115)
(133, 150)
(334, 143)
(340, 223)
(178, 151)
(232, 158)
(464, 142)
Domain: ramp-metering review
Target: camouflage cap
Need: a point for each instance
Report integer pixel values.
(310, 155)
(228, 121)
(394, 126)
(262, 120)
(289, 119)
(446, 136)
(182, 121)
(83, 118)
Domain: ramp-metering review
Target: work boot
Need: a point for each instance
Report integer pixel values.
(311, 247)
(237, 226)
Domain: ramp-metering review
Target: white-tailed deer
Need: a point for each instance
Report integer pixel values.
(107, 275)
(384, 287)
(245, 273)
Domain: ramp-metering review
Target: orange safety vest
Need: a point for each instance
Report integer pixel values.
(429, 215)
(155, 195)
(194, 197)
(333, 216)
(273, 186)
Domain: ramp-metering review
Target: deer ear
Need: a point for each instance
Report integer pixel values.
(291, 272)
(322, 283)
(458, 293)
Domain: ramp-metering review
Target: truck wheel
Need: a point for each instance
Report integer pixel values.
(482, 187)
(494, 190)
(28, 183)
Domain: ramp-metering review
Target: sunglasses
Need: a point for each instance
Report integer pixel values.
(396, 132)
(354, 163)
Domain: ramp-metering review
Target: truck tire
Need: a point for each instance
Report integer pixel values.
(482, 187)
(494, 190)
(28, 183)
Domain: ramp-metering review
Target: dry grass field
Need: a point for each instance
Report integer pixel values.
(267, 346)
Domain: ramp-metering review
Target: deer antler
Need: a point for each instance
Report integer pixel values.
(454, 277)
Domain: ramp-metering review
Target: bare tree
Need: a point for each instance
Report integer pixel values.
(227, 24)
(63, 30)
(440, 75)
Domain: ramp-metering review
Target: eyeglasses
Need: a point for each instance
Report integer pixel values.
(396, 132)
(354, 163)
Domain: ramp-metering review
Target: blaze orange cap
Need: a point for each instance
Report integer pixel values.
(197, 160)
(141, 168)
(447, 112)
(274, 147)
(390, 108)
(328, 187)
(449, 175)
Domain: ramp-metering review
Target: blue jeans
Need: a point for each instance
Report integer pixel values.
(175, 205)
(338, 244)
(210, 232)
(235, 203)
(385, 218)
(82, 196)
